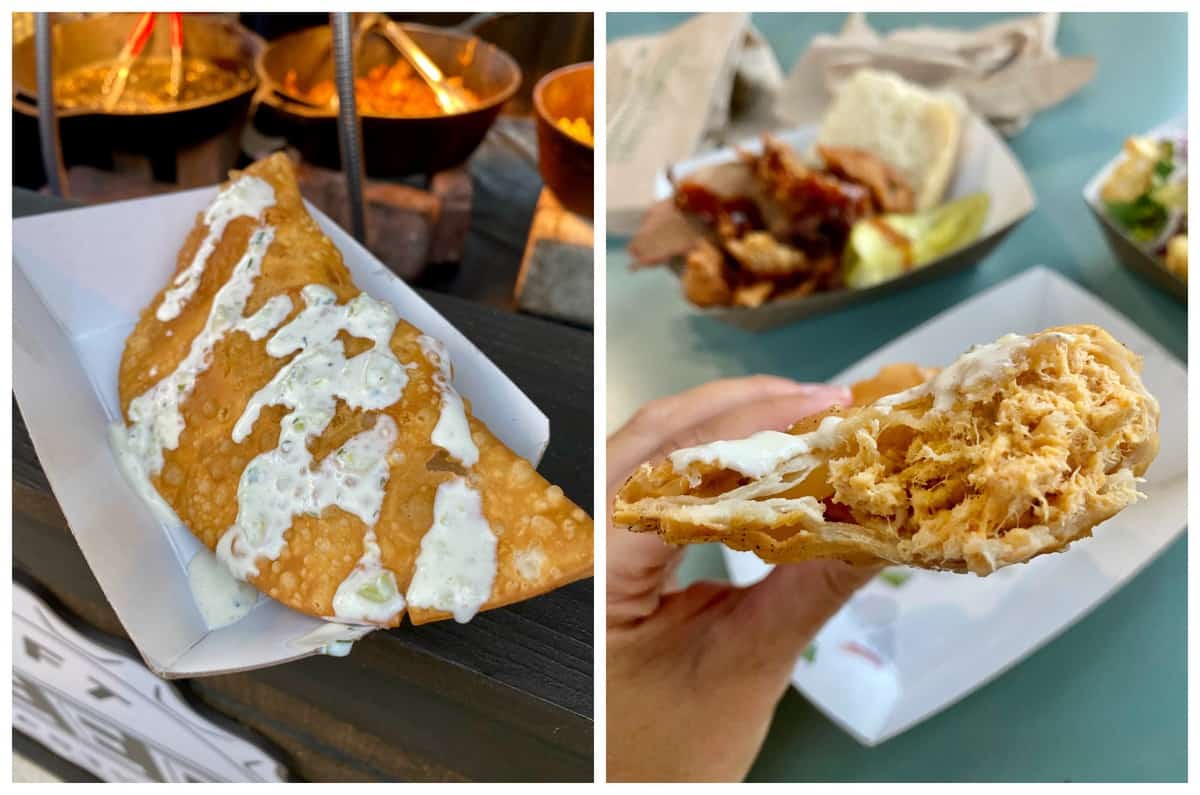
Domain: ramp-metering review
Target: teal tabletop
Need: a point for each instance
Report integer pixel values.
(1106, 700)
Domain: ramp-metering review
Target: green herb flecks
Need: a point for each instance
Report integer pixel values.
(379, 590)
(895, 577)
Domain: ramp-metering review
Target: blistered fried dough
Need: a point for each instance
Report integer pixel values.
(1017, 449)
(542, 540)
(705, 279)
(890, 379)
(754, 294)
(763, 255)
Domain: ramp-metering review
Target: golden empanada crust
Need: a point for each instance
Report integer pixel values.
(1018, 449)
(543, 540)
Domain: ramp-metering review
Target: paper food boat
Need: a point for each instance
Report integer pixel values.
(80, 279)
(985, 164)
(1137, 257)
(902, 651)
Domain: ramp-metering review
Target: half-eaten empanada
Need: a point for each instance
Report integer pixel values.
(1018, 448)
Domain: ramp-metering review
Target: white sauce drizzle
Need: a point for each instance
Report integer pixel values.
(980, 365)
(453, 431)
(457, 563)
(156, 420)
(272, 313)
(134, 470)
(331, 638)
(763, 453)
(280, 483)
(248, 196)
(221, 599)
(759, 454)
(369, 592)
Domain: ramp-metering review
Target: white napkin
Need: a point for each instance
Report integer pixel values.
(710, 81)
(1006, 72)
(714, 80)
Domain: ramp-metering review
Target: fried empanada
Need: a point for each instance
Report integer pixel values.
(313, 438)
(1017, 449)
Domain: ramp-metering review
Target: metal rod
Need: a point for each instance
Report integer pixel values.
(349, 124)
(52, 157)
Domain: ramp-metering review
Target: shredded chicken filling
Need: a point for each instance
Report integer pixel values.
(1015, 462)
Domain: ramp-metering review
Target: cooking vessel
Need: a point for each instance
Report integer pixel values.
(564, 162)
(393, 146)
(100, 38)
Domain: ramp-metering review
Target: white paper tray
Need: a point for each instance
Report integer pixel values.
(1137, 257)
(80, 279)
(894, 656)
(985, 164)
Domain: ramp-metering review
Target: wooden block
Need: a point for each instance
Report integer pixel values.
(326, 189)
(556, 271)
(454, 190)
(208, 162)
(400, 223)
(96, 186)
(400, 219)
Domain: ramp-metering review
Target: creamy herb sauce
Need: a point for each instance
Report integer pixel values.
(272, 313)
(281, 483)
(453, 431)
(456, 567)
(134, 470)
(457, 563)
(369, 592)
(248, 196)
(222, 600)
(332, 638)
(155, 417)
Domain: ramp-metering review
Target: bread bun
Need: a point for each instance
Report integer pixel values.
(915, 130)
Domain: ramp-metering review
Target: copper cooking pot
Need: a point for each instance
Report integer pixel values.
(565, 163)
(393, 146)
(100, 38)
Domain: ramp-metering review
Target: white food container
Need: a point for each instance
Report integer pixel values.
(80, 279)
(898, 654)
(1141, 258)
(985, 164)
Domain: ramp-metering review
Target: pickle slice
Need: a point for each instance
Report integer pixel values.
(887, 246)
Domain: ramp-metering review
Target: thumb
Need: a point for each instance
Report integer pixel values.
(781, 615)
(640, 566)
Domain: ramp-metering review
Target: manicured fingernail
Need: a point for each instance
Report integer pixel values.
(803, 388)
(831, 392)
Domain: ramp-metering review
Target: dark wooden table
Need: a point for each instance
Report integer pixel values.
(506, 697)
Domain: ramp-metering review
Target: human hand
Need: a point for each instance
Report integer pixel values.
(694, 675)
